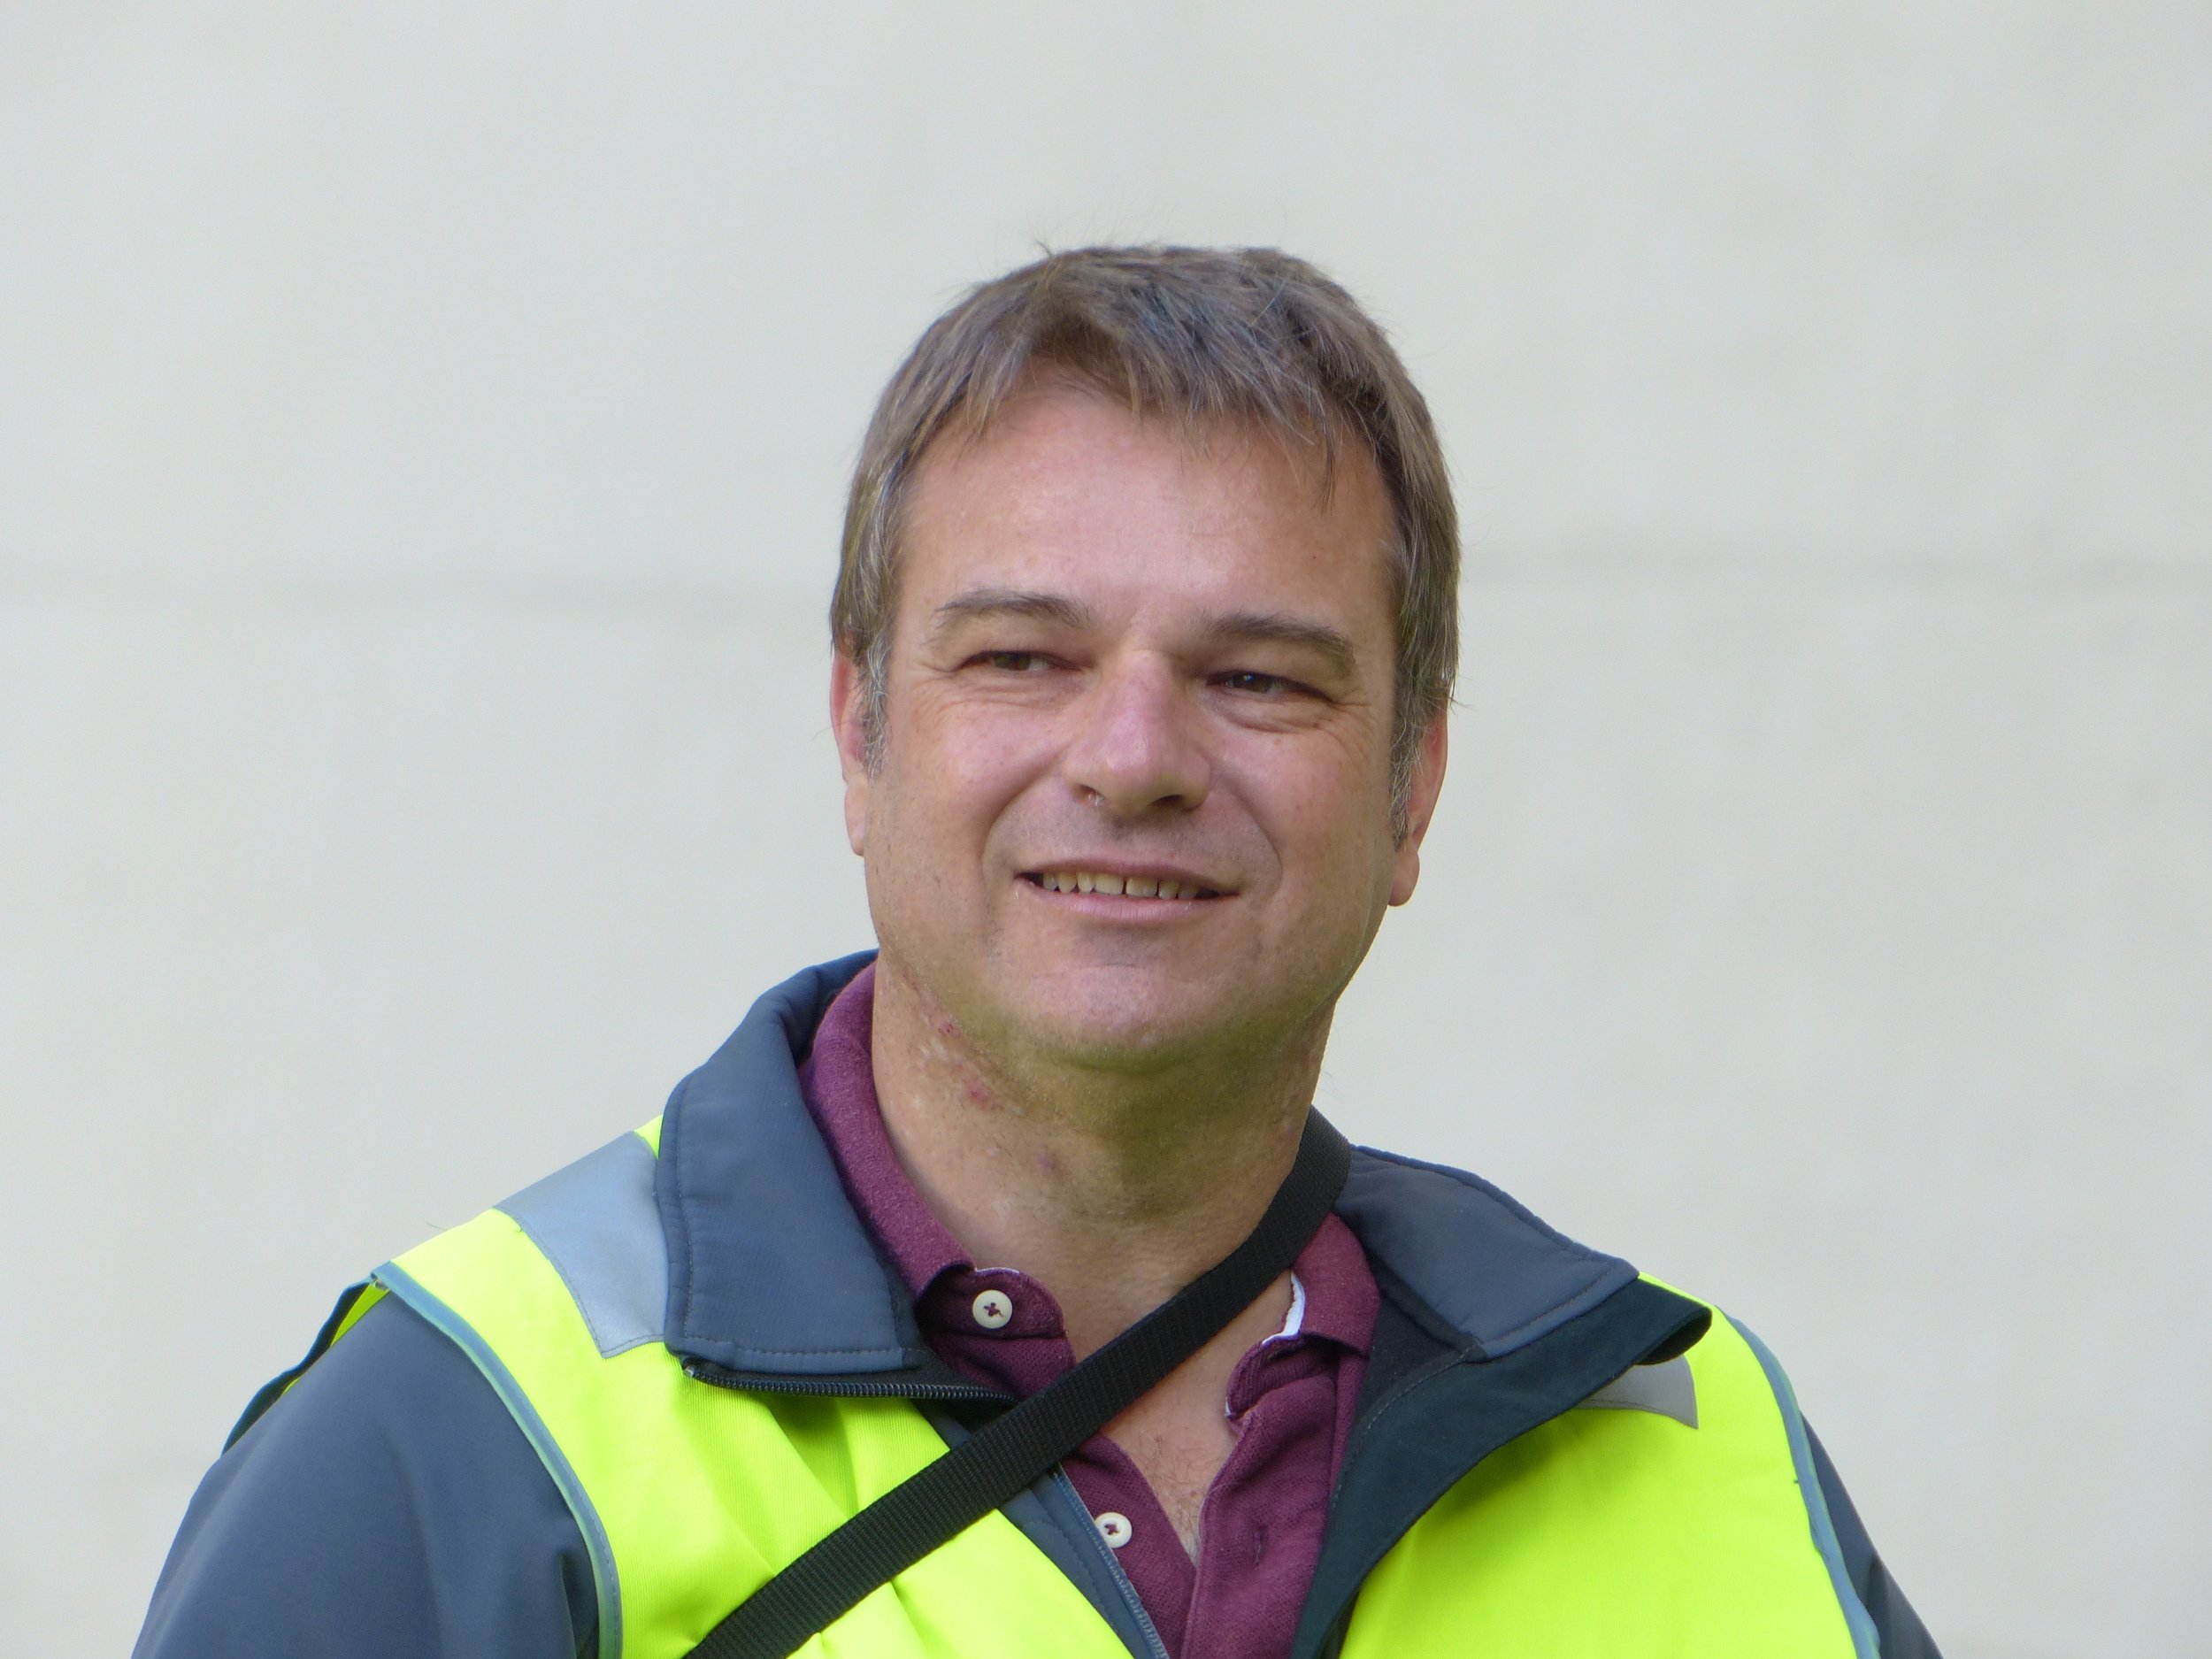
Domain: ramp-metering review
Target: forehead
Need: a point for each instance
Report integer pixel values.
(1066, 488)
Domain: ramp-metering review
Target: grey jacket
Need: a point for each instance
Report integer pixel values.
(389, 1506)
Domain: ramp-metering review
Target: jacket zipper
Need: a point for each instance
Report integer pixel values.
(749, 1382)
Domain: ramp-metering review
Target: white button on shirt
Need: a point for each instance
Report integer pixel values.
(1114, 1527)
(991, 1308)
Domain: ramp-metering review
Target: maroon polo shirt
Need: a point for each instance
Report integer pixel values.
(1289, 1403)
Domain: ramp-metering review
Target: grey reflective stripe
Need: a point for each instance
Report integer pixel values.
(597, 1223)
(1669, 1390)
(606, 1588)
(1864, 1640)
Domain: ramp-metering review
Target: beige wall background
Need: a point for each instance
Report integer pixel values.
(422, 432)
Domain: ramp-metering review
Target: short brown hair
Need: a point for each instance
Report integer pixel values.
(1197, 335)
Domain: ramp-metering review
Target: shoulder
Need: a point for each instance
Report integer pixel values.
(386, 1505)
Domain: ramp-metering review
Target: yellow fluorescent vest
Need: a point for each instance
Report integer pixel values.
(1604, 1533)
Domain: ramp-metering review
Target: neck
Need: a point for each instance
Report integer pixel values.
(1112, 1189)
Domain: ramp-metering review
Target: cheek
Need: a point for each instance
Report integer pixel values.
(947, 776)
(1325, 808)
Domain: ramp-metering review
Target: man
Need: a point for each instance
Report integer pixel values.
(1145, 628)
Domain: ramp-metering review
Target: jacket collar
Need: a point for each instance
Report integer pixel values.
(771, 1273)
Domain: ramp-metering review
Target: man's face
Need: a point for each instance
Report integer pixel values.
(1126, 667)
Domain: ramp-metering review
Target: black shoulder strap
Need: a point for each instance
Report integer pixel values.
(1000, 1461)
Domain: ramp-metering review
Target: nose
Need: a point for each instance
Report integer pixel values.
(1137, 750)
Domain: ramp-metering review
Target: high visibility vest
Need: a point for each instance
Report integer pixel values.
(1599, 1534)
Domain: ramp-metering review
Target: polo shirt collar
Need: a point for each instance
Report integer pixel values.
(771, 1272)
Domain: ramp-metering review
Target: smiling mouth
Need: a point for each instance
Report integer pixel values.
(1112, 885)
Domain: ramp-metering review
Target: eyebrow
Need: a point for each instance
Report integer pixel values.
(1010, 602)
(1272, 628)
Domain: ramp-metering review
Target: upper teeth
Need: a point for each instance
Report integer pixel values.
(1129, 886)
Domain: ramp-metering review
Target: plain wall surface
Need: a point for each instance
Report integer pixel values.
(422, 438)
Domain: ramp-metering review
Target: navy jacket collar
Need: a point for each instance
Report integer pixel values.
(771, 1272)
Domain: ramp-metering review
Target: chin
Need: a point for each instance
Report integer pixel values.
(1122, 1032)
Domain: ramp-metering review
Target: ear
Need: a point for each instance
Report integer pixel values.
(1427, 783)
(848, 700)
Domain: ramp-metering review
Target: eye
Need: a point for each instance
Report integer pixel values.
(1254, 683)
(1012, 662)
